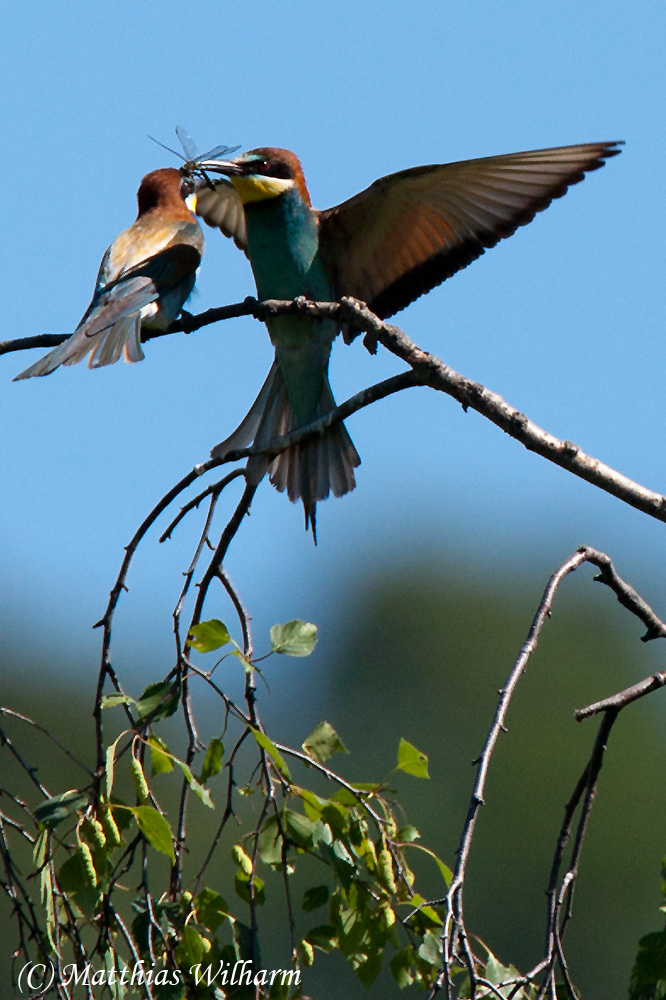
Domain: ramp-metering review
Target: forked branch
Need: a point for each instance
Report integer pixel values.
(455, 942)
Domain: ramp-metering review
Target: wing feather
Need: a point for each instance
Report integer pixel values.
(221, 208)
(410, 231)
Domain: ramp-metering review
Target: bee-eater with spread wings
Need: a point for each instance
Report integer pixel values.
(145, 278)
(387, 246)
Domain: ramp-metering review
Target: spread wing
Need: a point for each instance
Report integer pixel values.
(410, 231)
(220, 207)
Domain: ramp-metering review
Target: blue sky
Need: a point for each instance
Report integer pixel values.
(565, 319)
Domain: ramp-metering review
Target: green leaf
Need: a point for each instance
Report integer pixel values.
(272, 751)
(74, 878)
(299, 828)
(323, 937)
(648, 976)
(154, 828)
(341, 852)
(158, 701)
(352, 932)
(497, 973)
(46, 894)
(411, 760)
(245, 942)
(109, 760)
(321, 833)
(199, 789)
(445, 871)
(195, 785)
(347, 798)
(315, 897)
(246, 664)
(190, 950)
(312, 804)
(71, 874)
(212, 764)
(211, 909)
(425, 917)
(55, 810)
(430, 949)
(270, 842)
(242, 887)
(111, 700)
(368, 970)
(407, 834)
(40, 852)
(210, 635)
(114, 968)
(161, 761)
(337, 817)
(295, 638)
(323, 742)
(401, 966)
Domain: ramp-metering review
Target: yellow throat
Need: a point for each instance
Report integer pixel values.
(260, 188)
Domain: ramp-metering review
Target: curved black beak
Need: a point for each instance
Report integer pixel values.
(229, 168)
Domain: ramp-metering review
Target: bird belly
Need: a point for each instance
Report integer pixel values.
(302, 349)
(282, 247)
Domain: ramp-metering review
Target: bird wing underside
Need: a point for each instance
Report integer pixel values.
(410, 231)
(221, 208)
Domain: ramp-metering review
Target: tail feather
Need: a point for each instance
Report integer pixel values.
(309, 471)
(247, 430)
(104, 347)
(132, 350)
(338, 469)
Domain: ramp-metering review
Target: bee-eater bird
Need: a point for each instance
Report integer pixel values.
(387, 245)
(145, 278)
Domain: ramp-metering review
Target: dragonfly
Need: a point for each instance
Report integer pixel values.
(192, 160)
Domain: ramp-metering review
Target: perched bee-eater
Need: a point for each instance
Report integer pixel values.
(144, 279)
(387, 245)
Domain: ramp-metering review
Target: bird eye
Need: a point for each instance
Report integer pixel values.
(264, 167)
(186, 187)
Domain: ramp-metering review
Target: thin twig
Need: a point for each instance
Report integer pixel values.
(360, 796)
(454, 918)
(212, 490)
(135, 955)
(241, 611)
(622, 698)
(210, 574)
(454, 927)
(31, 722)
(626, 595)
(228, 808)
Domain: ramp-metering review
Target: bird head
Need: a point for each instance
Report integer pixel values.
(262, 174)
(165, 190)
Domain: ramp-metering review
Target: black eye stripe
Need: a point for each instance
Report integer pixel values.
(274, 168)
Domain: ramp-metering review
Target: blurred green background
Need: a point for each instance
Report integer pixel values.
(417, 647)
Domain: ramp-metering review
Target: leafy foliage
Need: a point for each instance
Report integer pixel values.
(351, 853)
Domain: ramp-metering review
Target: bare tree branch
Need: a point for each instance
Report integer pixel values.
(623, 698)
(426, 370)
(454, 936)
